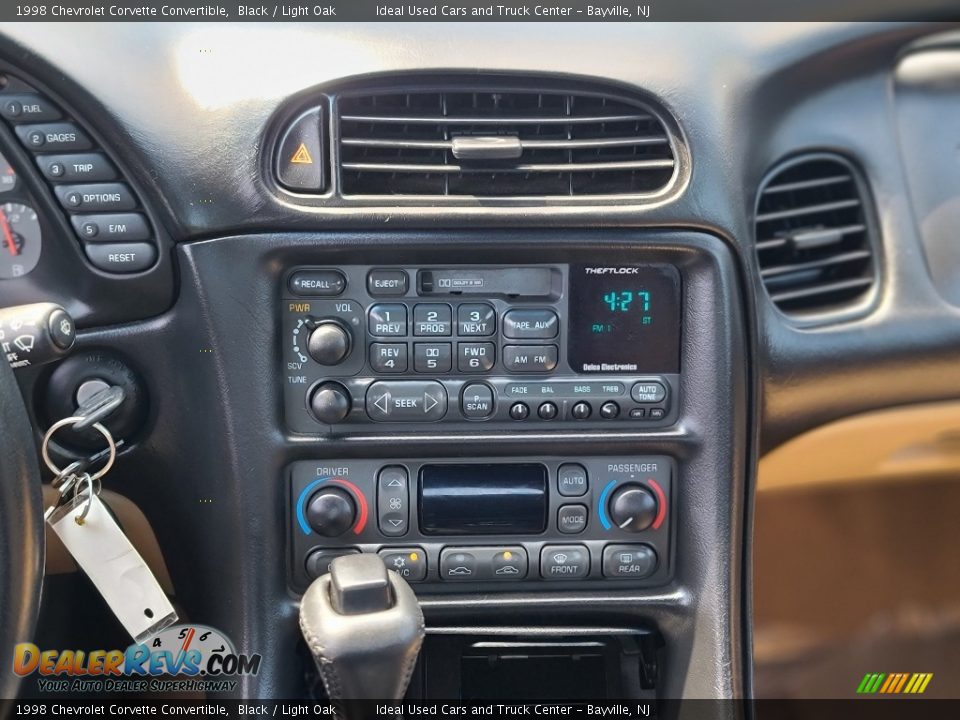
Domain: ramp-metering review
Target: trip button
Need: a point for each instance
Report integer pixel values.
(475, 357)
(476, 320)
(572, 519)
(388, 320)
(76, 167)
(119, 227)
(477, 401)
(99, 197)
(408, 563)
(299, 160)
(387, 282)
(393, 500)
(28, 107)
(406, 401)
(572, 480)
(530, 358)
(648, 392)
(53, 137)
(530, 324)
(457, 565)
(564, 562)
(121, 257)
(508, 564)
(629, 561)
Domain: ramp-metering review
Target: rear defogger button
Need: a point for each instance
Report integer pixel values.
(406, 401)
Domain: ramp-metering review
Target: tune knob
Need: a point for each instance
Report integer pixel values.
(330, 402)
(633, 508)
(329, 342)
(331, 512)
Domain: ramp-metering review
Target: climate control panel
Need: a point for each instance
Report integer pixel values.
(451, 525)
(513, 347)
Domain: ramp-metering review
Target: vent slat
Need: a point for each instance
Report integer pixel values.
(531, 168)
(502, 120)
(819, 290)
(813, 247)
(816, 264)
(452, 142)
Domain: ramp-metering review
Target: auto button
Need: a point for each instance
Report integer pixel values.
(406, 401)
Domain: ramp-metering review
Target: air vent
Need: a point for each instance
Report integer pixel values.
(813, 235)
(463, 142)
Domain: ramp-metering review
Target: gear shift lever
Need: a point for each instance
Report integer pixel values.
(364, 626)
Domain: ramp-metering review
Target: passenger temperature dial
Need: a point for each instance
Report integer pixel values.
(633, 508)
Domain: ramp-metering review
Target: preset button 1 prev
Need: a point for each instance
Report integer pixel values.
(406, 401)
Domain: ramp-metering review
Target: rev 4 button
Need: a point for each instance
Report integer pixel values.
(406, 401)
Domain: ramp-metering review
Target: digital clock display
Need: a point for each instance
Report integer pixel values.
(624, 319)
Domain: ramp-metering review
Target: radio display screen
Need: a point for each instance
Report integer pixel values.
(624, 319)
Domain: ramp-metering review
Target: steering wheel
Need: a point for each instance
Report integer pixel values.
(21, 528)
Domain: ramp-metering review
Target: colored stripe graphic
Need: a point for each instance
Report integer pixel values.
(894, 683)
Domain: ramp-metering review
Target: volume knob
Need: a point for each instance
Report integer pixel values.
(329, 342)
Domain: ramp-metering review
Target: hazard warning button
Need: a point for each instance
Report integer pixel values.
(299, 162)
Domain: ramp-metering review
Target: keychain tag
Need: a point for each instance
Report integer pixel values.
(116, 568)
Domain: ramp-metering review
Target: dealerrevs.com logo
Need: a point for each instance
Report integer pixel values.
(186, 657)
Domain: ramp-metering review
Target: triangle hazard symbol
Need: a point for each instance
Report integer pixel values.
(302, 155)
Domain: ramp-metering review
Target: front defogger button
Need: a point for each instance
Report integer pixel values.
(406, 401)
(393, 501)
(564, 562)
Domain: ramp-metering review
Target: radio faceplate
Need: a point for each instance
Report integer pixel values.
(492, 524)
(369, 348)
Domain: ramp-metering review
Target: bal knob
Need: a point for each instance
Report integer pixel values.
(330, 402)
(633, 508)
(331, 512)
(329, 342)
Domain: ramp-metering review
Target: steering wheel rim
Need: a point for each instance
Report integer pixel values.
(21, 528)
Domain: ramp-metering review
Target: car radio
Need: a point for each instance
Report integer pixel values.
(501, 346)
(448, 525)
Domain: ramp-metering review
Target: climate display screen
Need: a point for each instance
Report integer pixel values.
(624, 319)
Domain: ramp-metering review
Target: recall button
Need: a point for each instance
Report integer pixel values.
(299, 160)
(406, 401)
(318, 283)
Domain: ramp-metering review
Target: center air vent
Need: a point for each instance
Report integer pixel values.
(464, 142)
(814, 235)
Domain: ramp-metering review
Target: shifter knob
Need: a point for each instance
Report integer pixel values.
(364, 626)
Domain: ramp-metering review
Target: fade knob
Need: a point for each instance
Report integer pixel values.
(331, 512)
(633, 508)
(329, 342)
(330, 402)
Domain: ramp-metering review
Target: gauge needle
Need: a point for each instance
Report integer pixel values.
(7, 235)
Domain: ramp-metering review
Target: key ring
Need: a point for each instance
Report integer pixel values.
(71, 421)
(85, 478)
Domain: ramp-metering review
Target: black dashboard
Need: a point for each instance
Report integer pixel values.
(520, 322)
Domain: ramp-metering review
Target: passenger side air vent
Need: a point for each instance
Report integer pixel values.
(814, 235)
(525, 143)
